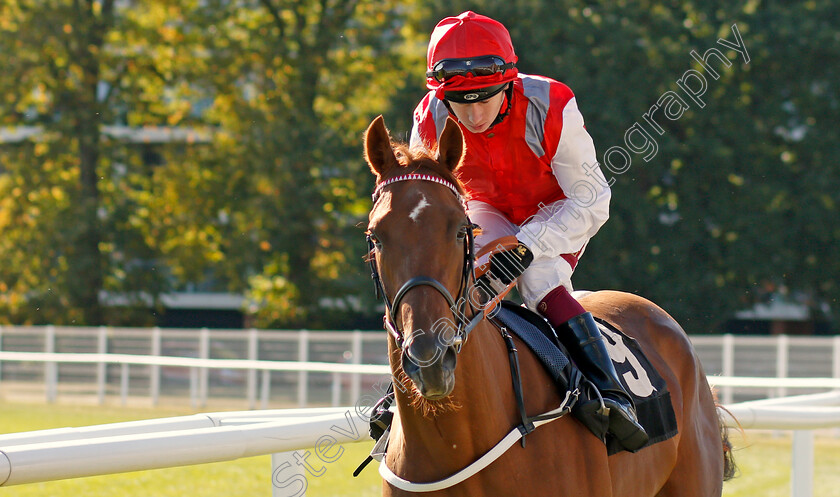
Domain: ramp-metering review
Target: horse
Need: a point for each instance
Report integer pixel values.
(453, 395)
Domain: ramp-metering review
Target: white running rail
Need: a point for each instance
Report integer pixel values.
(202, 438)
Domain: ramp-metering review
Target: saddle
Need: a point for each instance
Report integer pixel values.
(638, 376)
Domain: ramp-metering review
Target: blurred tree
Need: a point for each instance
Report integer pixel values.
(739, 200)
(72, 71)
(294, 85)
(50, 217)
(709, 225)
(271, 203)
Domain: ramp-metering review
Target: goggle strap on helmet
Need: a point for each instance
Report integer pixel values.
(502, 115)
(473, 96)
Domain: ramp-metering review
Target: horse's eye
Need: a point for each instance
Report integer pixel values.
(462, 234)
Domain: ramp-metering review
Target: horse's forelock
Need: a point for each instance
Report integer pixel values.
(417, 159)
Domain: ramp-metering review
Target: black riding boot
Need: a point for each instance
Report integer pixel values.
(588, 350)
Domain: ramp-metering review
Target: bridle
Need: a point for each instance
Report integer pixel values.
(459, 306)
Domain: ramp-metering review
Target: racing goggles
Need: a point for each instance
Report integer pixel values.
(477, 66)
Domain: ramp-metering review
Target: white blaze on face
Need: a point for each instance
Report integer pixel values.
(422, 204)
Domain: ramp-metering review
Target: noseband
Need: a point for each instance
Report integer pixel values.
(459, 306)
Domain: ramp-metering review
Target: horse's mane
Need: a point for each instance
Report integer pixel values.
(419, 160)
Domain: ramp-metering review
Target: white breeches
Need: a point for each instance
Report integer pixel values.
(542, 276)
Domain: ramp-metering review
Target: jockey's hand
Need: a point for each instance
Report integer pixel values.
(508, 265)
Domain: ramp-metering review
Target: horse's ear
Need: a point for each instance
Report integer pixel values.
(451, 145)
(378, 152)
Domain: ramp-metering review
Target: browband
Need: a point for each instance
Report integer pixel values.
(413, 176)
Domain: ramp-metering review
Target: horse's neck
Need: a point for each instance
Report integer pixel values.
(481, 409)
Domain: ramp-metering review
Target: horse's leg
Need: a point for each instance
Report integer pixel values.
(699, 468)
(698, 463)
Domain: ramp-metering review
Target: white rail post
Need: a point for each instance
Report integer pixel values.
(802, 472)
(50, 368)
(835, 370)
(356, 382)
(303, 376)
(782, 354)
(124, 384)
(204, 353)
(287, 476)
(265, 388)
(728, 365)
(194, 387)
(101, 366)
(1, 348)
(336, 389)
(154, 376)
(253, 355)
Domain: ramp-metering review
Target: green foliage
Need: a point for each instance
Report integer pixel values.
(702, 228)
(294, 85)
(287, 89)
(51, 81)
(739, 202)
(266, 195)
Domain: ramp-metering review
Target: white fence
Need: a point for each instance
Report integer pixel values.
(199, 371)
(259, 383)
(318, 367)
(130, 362)
(780, 357)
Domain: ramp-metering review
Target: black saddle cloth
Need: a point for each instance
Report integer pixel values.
(638, 376)
(540, 338)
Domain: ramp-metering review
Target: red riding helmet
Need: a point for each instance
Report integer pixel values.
(470, 52)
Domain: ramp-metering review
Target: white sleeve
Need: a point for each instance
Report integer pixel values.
(565, 226)
(414, 140)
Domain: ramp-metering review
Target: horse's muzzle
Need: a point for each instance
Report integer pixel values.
(434, 377)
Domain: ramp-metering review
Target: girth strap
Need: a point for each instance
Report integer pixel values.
(527, 425)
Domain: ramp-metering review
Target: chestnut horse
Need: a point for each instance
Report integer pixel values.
(459, 402)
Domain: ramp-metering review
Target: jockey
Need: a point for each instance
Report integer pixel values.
(530, 171)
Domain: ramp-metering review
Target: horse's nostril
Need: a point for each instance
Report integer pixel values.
(436, 379)
(411, 368)
(449, 359)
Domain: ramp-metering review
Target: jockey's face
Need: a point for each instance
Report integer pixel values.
(477, 117)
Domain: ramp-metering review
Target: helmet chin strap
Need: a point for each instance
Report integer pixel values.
(509, 99)
(502, 115)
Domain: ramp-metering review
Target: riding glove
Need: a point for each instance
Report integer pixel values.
(508, 265)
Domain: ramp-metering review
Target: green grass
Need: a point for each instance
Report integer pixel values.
(764, 461)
